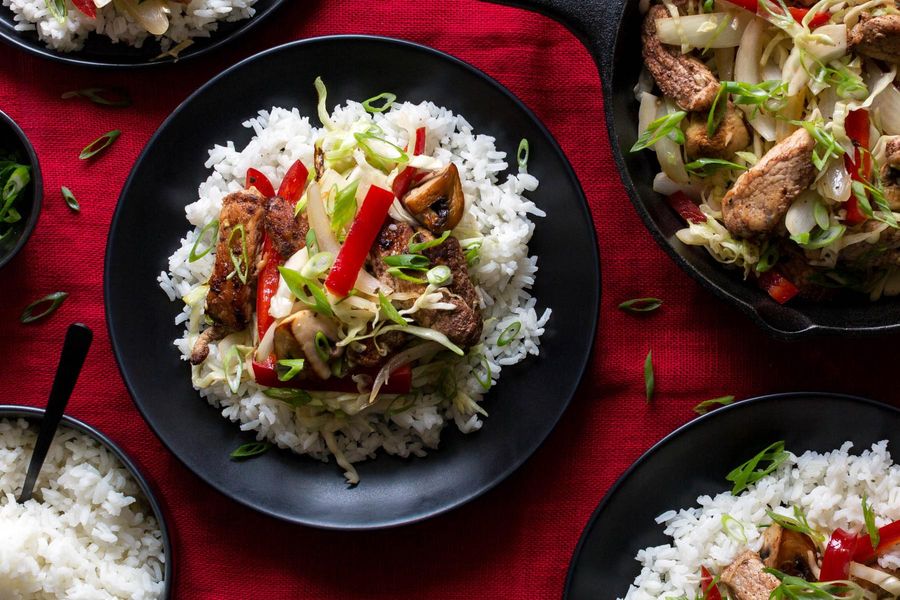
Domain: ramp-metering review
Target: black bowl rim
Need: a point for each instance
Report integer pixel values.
(593, 323)
(671, 437)
(37, 183)
(14, 411)
(70, 58)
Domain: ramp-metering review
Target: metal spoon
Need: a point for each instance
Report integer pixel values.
(75, 349)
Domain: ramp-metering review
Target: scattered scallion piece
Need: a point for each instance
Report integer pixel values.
(734, 528)
(400, 274)
(390, 312)
(649, 377)
(418, 247)
(210, 230)
(486, 382)
(307, 291)
(796, 588)
(100, 144)
(58, 8)
(293, 397)
(827, 147)
(344, 207)
(53, 301)
(799, 523)
(386, 97)
(408, 261)
(641, 305)
(290, 368)
(819, 238)
(704, 167)
(69, 197)
(323, 346)
(241, 261)
(667, 125)
(869, 517)
(250, 450)
(770, 95)
(705, 406)
(767, 258)
(509, 334)
(751, 471)
(522, 154)
(473, 250)
(379, 152)
(439, 275)
(312, 242)
(115, 97)
(317, 265)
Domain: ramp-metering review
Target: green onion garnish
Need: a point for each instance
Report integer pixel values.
(706, 405)
(418, 247)
(473, 250)
(709, 5)
(508, 334)
(704, 167)
(344, 207)
(379, 152)
(749, 473)
(291, 396)
(115, 97)
(819, 238)
(869, 517)
(389, 311)
(667, 125)
(400, 274)
(307, 291)
(292, 366)
(439, 275)
(820, 214)
(53, 300)
(387, 98)
(770, 95)
(318, 264)
(240, 261)
(415, 262)
(649, 377)
(19, 176)
(861, 191)
(795, 588)
(312, 242)
(767, 258)
(58, 8)
(210, 229)
(486, 382)
(799, 523)
(641, 305)
(734, 528)
(827, 146)
(323, 346)
(100, 144)
(522, 154)
(69, 197)
(321, 106)
(250, 450)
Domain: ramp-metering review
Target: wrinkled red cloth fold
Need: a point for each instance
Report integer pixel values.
(516, 541)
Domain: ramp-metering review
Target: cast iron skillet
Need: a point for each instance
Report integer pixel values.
(99, 51)
(149, 222)
(695, 459)
(611, 31)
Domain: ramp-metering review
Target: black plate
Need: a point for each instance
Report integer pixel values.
(99, 51)
(34, 415)
(695, 459)
(611, 31)
(13, 139)
(149, 222)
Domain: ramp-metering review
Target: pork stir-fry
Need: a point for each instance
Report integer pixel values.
(777, 128)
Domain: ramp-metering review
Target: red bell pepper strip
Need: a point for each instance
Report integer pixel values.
(797, 13)
(838, 555)
(266, 286)
(260, 182)
(777, 286)
(362, 234)
(404, 178)
(686, 207)
(889, 536)
(294, 182)
(860, 165)
(400, 381)
(710, 591)
(87, 7)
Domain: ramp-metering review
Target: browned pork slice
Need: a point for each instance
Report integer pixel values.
(746, 579)
(761, 196)
(890, 174)
(287, 232)
(730, 137)
(877, 37)
(681, 77)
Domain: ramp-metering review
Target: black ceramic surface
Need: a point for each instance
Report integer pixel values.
(695, 459)
(14, 142)
(100, 51)
(149, 222)
(34, 415)
(611, 31)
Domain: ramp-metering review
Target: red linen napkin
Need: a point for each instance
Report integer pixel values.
(516, 541)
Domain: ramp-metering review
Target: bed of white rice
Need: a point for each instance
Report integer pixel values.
(827, 487)
(84, 535)
(496, 209)
(186, 21)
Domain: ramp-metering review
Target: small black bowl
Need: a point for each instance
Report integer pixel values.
(34, 415)
(13, 141)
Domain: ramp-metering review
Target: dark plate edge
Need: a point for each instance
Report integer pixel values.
(37, 184)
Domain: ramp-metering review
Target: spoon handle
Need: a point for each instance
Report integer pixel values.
(75, 349)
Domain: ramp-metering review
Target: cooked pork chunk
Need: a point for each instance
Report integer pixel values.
(684, 78)
(287, 232)
(730, 137)
(877, 37)
(747, 580)
(760, 197)
(372, 355)
(890, 174)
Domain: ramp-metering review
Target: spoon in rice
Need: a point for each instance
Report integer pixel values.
(74, 351)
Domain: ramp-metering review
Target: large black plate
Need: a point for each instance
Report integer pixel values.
(611, 31)
(149, 222)
(695, 459)
(99, 51)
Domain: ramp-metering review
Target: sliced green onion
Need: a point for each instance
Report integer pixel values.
(709, 5)
(399, 273)
(706, 405)
(799, 523)
(54, 300)
(233, 379)
(321, 108)
(210, 230)
(100, 144)
(115, 97)
(240, 261)
(509, 334)
(734, 528)
(820, 213)
(704, 167)
(19, 176)
(418, 247)
(307, 291)
(770, 95)
(649, 377)
(826, 147)
(415, 262)
(819, 238)
(667, 125)
(641, 305)
(312, 242)
(292, 367)
(522, 154)
(291, 396)
(318, 264)
(390, 156)
(250, 450)
(486, 382)
(439, 275)
(796, 588)
(767, 258)
(323, 346)
(388, 101)
(751, 471)
(58, 8)
(69, 197)
(861, 191)
(869, 517)
(344, 207)
(390, 312)
(473, 250)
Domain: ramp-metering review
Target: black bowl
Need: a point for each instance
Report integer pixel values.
(611, 31)
(34, 415)
(13, 139)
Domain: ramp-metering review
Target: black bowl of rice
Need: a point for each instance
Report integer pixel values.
(93, 528)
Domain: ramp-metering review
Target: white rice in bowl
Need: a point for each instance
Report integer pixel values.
(827, 487)
(85, 534)
(497, 212)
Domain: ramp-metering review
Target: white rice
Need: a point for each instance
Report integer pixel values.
(497, 211)
(85, 534)
(827, 487)
(186, 21)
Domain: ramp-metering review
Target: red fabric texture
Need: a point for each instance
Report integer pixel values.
(517, 540)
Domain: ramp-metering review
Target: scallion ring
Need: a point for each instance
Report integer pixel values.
(389, 311)
(318, 264)
(408, 261)
(250, 450)
(418, 247)
(54, 300)
(522, 154)
(509, 334)
(641, 305)
(705, 406)
(386, 97)
(58, 8)
(69, 197)
(100, 144)
(291, 367)
(400, 274)
(381, 153)
(115, 97)
(649, 377)
(312, 243)
(210, 230)
(439, 275)
(323, 346)
(486, 382)
(240, 261)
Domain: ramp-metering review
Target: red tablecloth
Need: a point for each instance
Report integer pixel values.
(516, 541)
